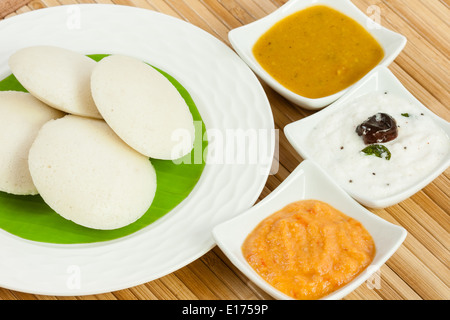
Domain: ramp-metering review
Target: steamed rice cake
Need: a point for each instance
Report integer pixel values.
(142, 107)
(21, 117)
(56, 76)
(87, 174)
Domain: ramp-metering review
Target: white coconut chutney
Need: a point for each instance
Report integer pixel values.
(420, 147)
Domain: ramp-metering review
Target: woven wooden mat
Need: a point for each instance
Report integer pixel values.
(8, 6)
(420, 267)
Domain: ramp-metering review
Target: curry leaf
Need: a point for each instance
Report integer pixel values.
(377, 150)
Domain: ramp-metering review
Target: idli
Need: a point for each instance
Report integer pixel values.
(21, 117)
(142, 107)
(56, 76)
(87, 174)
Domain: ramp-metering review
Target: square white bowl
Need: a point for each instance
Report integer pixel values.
(243, 39)
(380, 79)
(307, 181)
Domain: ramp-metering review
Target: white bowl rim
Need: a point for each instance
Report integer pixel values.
(310, 167)
(290, 7)
(380, 73)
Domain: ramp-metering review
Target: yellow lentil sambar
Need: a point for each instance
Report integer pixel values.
(317, 52)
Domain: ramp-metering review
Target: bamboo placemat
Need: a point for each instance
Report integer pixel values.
(9, 6)
(420, 268)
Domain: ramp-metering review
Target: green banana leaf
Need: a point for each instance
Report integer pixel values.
(29, 217)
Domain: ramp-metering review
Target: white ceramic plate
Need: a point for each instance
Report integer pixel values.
(308, 181)
(380, 79)
(228, 96)
(244, 38)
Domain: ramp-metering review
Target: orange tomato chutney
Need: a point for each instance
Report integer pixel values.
(317, 52)
(309, 249)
